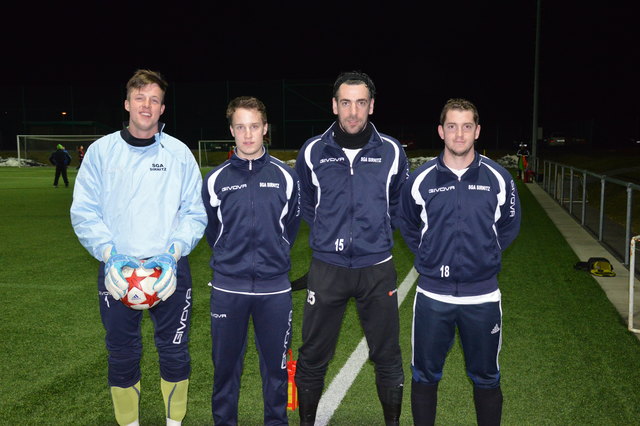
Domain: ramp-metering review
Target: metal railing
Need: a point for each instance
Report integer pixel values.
(584, 194)
(631, 311)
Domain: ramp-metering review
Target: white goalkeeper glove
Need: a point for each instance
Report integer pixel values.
(166, 283)
(114, 281)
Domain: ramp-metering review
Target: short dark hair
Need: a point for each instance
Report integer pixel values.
(142, 78)
(246, 102)
(352, 78)
(461, 105)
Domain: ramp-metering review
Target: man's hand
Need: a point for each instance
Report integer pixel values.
(114, 281)
(167, 281)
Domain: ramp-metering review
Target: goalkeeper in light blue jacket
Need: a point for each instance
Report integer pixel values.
(137, 198)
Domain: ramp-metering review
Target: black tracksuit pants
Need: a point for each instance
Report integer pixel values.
(329, 289)
(61, 171)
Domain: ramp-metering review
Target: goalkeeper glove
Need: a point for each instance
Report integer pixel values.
(167, 281)
(114, 281)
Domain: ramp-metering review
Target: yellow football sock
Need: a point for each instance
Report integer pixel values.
(175, 398)
(125, 403)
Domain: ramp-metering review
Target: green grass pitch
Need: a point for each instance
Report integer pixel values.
(567, 357)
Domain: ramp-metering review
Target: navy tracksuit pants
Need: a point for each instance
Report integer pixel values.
(272, 315)
(434, 331)
(171, 319)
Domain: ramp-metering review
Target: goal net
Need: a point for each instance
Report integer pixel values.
(37, 148)
(212, 152)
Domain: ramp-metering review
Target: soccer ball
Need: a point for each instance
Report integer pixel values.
(140, 295)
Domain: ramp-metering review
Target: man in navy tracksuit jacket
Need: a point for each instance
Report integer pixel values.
(459, 212)
(253, 208)
(350, 178)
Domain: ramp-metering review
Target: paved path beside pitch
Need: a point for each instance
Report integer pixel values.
(586, 246)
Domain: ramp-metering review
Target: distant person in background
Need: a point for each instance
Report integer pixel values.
(459, 212)
(80, 156)
(523, 160)
(137, 199)
(61, 159)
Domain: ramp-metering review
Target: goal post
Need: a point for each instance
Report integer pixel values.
(39, 147)
(212, 152)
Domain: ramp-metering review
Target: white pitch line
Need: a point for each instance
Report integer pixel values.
(338, 388)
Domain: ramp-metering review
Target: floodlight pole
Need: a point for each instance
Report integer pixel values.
(534, 130)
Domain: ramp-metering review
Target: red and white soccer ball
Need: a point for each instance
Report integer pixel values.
(141, 295)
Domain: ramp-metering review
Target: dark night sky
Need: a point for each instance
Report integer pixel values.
(484, 51)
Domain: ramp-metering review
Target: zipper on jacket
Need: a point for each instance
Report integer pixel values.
(458, 207)
(351, 208)
(253, 228)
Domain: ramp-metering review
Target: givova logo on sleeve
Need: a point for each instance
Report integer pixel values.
(512, 200)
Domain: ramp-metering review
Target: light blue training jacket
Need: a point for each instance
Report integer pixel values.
(139, 198)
